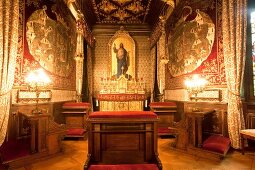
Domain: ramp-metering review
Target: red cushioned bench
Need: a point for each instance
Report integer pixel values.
(75, 117)
(166, 112)
(113, 136)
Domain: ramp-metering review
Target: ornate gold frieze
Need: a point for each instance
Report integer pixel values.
(121, 105)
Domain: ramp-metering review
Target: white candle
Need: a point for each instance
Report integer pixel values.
(160, 86)
(145, 103)
(96, 102)
(79, 86)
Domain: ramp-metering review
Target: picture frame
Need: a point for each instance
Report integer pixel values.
(122, 37)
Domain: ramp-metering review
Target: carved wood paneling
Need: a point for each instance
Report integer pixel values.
(215, 122)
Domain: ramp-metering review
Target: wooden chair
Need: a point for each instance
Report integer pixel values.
(247, 134)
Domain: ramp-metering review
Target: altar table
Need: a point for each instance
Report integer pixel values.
(122, 137)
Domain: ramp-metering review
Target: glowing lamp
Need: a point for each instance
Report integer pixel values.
(195, 85)
(37, 79)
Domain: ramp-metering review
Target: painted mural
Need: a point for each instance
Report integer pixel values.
(47, 43)
(191, 42)
(194, 41)
(47, 39)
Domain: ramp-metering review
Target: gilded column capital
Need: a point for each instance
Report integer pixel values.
(69, 1)
(170, 2)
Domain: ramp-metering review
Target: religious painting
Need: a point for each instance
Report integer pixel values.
(191, 42)
(122, 55)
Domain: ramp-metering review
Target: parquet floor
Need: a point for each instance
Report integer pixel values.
(75, 151)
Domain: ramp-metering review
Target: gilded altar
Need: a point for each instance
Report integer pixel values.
(122, 94)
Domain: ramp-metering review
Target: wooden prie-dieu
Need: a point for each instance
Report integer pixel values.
(122, 137)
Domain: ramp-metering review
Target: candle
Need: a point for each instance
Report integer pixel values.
(145, 103)
(96, 102)
(79, 86)
(160, 86)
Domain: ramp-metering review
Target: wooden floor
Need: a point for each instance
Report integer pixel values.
(75, 151)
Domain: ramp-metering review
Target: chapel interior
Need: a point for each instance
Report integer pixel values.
(127, 84)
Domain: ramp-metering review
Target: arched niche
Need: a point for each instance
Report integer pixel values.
(122, 36)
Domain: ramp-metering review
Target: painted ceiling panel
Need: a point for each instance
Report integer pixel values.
(122, 11)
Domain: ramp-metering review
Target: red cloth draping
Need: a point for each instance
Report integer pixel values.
(123, 114)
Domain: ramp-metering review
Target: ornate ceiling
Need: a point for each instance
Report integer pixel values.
(122, 11)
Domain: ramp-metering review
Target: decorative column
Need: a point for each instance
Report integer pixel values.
(163, 57)
(79, 57)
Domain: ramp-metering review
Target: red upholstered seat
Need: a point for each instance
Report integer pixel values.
(74, 132)
(162, 104)
(124, 167)
(123, 114)
(217, 143)
(167, 131)
(76, 105)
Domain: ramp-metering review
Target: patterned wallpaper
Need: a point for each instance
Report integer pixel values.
(101, 61)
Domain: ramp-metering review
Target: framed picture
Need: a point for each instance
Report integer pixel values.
(122, 55)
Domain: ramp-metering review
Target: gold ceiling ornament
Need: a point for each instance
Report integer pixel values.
(136, 7)
(107, 7)
(121, 11)
(121, 14)
(122, 2)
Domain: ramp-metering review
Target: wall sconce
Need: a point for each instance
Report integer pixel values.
(36, 80)
(195, 85)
